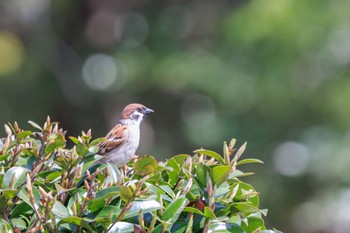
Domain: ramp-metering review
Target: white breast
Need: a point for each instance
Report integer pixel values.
(124, 153)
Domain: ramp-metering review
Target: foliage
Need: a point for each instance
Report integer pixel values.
(45, 186)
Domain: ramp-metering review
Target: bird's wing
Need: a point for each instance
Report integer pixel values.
(115, 138)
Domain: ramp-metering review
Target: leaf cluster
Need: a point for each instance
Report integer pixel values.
(47, 187)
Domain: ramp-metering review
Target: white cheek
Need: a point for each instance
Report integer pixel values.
(138, 117)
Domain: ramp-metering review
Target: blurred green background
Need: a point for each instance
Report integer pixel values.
(273, 73)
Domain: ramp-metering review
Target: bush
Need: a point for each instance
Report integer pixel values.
(46, 187)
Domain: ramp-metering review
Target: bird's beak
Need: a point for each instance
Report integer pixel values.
(147, 111)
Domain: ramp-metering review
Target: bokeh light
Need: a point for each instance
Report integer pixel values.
(291, 158)
(197, 111)
(11, 53)
(100, 71)
(131, 29)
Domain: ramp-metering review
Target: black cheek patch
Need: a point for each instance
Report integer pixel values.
(135, 117)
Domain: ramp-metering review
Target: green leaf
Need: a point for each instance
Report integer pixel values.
(60, 210)
(82, 149)
(4, 157)
(76, 221)
(126, 194)
(244, 161)
(101, 197)
(20, 209)
(97, 141)
(5, 227)
(23, 134)
(168, 190)
(270, 231)
(222, 227)
(35, 125)
(180, 158)
(9, 193)
(16, 176)
(243, 208)
(93, 150)
(146, 207)
(114, 172)
(19, 223)
(122, 227)
(201, 176)
(179, 226)
(174, 209)
(54, 175)
(253, 224)
(107, 213)
(212, 154)
(209, 213)
(75, 140)
(145, 165)
(23, 194)
(220, 174)
(57, 143)
(193, 210)
(242, 194)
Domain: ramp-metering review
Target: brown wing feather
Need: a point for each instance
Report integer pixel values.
(115, 138)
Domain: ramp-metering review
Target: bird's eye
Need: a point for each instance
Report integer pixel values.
(139, 109)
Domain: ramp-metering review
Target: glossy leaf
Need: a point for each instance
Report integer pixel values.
(60, 210)
(180, 158)
(5, 226)
(122, 227)
(23, 134)
(172, 212)
(244, 161)
(193, 210)
(220, 174)
(209, 214)
(76, 221)
(212, 154)
(241, 194)
(126, 194)
(243, 208)
(75, 140)
(9, 193)
(19, 223)
(254, 223)
(23, 194)
(16, 176)
(101, 197)
(145, 165)
(107, 213)
(168, 190)
(270, 231)
(146, 206)
(201, 175)
(35, 125)
(57, 143)
(222, 227)
(97, 141)
(114, 172)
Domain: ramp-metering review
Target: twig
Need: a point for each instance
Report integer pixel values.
(120, 216)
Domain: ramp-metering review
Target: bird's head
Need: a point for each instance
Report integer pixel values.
(135, 112)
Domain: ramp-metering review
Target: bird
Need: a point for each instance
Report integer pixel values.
(123, 139)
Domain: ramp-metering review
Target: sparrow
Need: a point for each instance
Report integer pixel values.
(123, 139)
